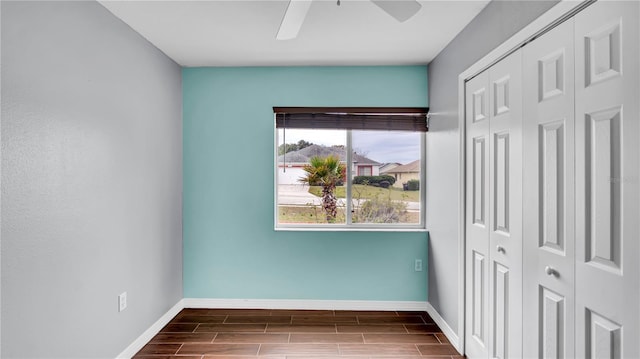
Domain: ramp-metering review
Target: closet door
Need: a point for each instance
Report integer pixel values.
(548, 135)
(607, 191)
(477, 216)
(505, 203)
(494, 211)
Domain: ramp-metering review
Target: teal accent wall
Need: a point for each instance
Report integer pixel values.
(230, 247)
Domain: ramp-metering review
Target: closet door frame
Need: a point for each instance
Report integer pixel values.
(557, 14)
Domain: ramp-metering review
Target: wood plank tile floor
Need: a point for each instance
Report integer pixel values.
(298, 334)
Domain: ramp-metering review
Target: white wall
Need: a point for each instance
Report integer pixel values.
(495, 24)
(91, 181)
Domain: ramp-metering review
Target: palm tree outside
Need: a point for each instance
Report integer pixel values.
(327, 172)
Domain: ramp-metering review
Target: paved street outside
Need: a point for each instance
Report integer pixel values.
(298, 195)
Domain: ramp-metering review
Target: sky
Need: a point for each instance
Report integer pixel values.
(381, 146)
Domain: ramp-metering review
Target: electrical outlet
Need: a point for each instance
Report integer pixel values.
(122, 301)
(418, 265)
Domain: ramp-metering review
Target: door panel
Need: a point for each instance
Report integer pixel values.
(551, 186)
(479, 180)
(494, 217)
(501, 316)
(548, 201)
(505, 178)
(501, 183)
(607, 190)
(603, 339)
(477, 216)
(478, 297)
(551, 75)
(552, 324)
(602, 137)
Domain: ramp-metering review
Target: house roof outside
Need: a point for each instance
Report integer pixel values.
(305, 154)
(389, 165)
(411, 167)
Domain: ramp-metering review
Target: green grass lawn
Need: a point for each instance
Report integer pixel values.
(361, 191)
(315, 215)
(306, 214)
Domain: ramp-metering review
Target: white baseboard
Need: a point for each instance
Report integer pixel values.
(303, 304)
(143, 339)
(446, 329)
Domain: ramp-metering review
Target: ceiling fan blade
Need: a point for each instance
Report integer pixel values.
(293, 19)
(401, 10)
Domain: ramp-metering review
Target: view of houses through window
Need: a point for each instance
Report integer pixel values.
(378, 184)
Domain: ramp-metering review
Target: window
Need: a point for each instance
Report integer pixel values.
(365, 170)
(338, 168)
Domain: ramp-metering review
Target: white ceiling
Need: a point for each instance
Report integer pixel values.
(242, 33)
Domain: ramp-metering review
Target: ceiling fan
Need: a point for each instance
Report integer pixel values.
(401, 10)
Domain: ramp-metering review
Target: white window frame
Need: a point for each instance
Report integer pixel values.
(349, 225)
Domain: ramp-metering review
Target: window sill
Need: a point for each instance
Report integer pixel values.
(348, 229)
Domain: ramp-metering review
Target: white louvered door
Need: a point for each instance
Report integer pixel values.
(494, 217)
(607, 190)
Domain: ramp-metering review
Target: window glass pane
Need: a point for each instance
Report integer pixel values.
(311, 191)
(386, 188)
(364, 170)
